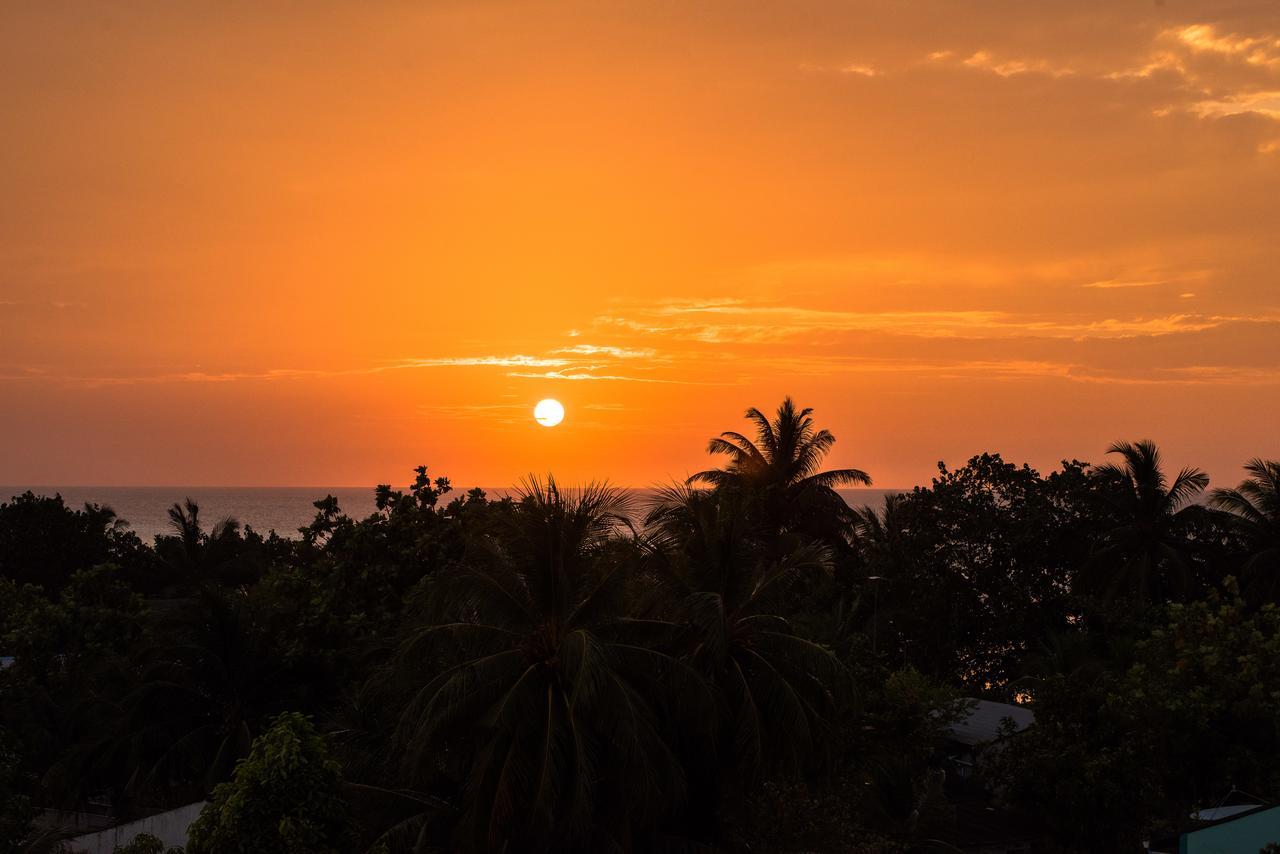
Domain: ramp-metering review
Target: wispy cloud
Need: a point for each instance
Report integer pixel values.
(1265, 103)
(516, 361)
(1261, 51)
(860, 69)
(614, 352)
(1214, 375)
(1220, 73)
(729, 321)
(985, 61)
(1112, 284)
(583, 375)
(273, 374)
(1211, 73)
(1012, 370)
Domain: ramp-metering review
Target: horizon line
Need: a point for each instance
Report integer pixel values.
(453, 487)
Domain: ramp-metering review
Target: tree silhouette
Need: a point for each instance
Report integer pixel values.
(195, 556)
(1255, 508)
(782, 470)
(1147, 550)
(882, 541)
(777, 689)
(532, 672)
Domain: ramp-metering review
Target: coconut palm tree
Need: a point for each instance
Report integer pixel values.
(782, 469)
(1147, 550)
(777, 690)
(1255, 509)
(532, 686)
(194, 555)
(880, 534)
(880, 537)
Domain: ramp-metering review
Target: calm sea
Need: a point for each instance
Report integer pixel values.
(283, 509)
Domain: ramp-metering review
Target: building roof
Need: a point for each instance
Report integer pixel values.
(984, 721)
(1219, 813)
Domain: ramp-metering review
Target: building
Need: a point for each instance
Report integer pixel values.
(985, 723)
(1239, 829)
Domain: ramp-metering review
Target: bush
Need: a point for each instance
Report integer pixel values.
(285, 798)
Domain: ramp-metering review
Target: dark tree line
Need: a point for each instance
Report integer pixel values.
(743, 662)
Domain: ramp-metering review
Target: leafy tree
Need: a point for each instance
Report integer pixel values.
(782, 470)
(286, 796)
(1147, 552)
(1117, 753)
(212, 675)
(145, 843)
(1255, 509)
(16, 808)
(96, 616)
(44, 542)
(963, 577)
(1081, 771)
(881, 795)
(1206, 684)
(345, 587)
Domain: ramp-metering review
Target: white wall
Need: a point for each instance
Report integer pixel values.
(169, 827)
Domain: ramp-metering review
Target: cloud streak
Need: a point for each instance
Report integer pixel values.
(728, 321)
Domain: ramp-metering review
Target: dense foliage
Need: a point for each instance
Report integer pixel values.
(284, 798)
(740, 663)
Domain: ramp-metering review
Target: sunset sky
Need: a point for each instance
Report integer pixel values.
(320, 243)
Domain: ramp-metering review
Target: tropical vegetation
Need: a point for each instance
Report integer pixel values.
(742, 662)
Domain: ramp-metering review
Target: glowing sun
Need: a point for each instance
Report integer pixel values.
(549, 412)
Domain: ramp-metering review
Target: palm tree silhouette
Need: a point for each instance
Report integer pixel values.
(880, 537)
(196, 556)
(1255, 508)
(1148, 544)
(782, 468)
(777, 689)
(534, 675)
(881, 534)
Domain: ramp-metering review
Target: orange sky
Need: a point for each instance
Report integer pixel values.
(270, 243)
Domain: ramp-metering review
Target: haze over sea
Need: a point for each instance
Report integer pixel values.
(283, 509)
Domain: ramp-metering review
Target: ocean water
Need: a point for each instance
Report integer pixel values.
(283, 509)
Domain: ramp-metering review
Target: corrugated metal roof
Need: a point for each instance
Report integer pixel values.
(1219, 813)
(984, 721)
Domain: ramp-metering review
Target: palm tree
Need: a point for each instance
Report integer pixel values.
(533, 687)
(1255, 508)
(197, 556)
(881, 534)
(782, 469)
(880, 538)
(1147, 547)
(777, 689)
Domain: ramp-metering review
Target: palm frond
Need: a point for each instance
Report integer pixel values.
(838, 477)
(766, 435)
(1189, 483)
